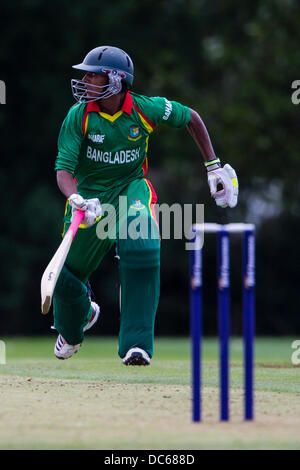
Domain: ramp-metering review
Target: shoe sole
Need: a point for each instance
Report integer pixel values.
(64, 358)
(136, 359)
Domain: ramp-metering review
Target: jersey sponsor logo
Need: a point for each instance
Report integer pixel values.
(168, 110)
(97, 138)
(134, 133)
(113, 158)
(136, 204)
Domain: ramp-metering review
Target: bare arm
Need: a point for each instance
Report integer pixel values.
(66, 183)
(198, 131)
(225, 177)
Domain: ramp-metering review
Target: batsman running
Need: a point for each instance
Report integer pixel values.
(102, 155)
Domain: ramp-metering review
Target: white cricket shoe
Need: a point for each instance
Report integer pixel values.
(62, 349)
(136, 357)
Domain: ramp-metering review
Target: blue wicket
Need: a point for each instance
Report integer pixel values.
(223, 257)
(248, 317)
(223, 289)
(196, 324)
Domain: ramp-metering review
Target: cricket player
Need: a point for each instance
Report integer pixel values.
(102, 155)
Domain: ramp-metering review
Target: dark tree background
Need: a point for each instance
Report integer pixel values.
(234, 62)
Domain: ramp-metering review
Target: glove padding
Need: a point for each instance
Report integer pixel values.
(226, 176)
(91, 207)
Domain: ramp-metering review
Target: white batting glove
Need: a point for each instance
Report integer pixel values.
(91, 207)
(227, 178)
(93, 212)
(77, 202)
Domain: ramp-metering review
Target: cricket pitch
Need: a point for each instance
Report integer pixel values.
(74, 414)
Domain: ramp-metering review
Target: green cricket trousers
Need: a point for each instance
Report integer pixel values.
(129, 223)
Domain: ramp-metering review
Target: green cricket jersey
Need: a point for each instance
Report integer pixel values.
(104, 151)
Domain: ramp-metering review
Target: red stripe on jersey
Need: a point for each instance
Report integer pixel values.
(152, 201)
(84, 119)
(145, 166)
(151, 124)
(153, 193)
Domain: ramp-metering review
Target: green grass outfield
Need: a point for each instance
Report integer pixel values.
(92, 401)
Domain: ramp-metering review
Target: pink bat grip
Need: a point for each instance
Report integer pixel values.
(79, 216)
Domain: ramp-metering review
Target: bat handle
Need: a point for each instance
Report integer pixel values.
(79, 216)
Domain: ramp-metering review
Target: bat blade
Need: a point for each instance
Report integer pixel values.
(52, 272)
(55, 266)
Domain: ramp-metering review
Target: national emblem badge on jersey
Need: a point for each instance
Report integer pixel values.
(136, 204)
(134, 133)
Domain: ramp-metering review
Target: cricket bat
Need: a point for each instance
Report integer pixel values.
(55, 266)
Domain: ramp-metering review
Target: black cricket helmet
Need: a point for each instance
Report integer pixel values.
(106, 60)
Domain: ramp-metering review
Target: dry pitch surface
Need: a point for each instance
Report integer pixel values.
(38, 413)
(58, 413)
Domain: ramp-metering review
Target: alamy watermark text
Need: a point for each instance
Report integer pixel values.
(2, 92)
